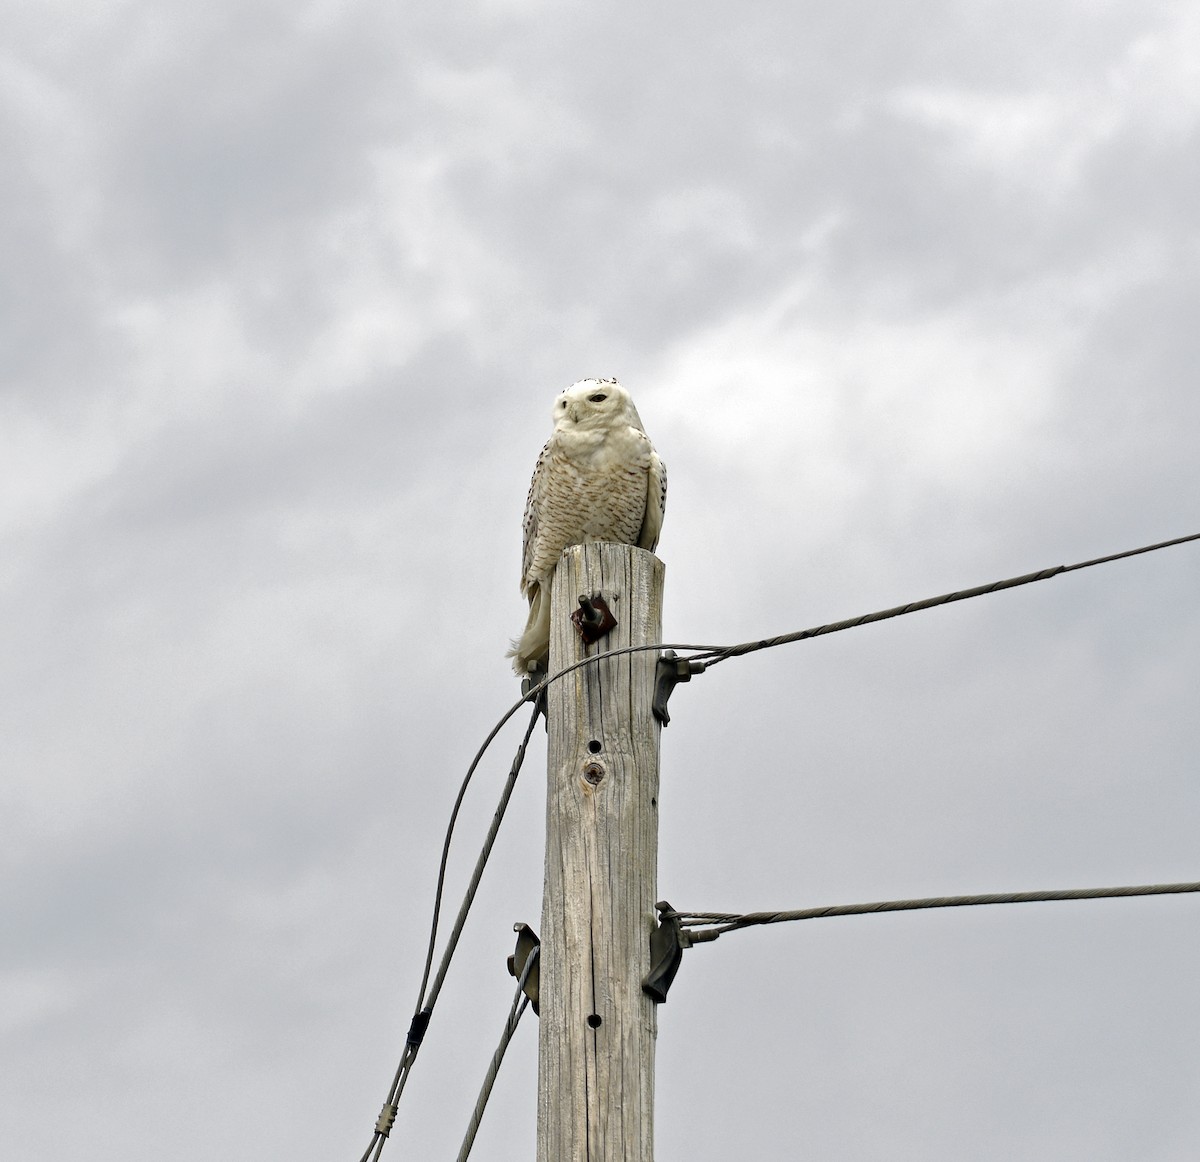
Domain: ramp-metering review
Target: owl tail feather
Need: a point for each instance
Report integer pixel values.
(534, 644)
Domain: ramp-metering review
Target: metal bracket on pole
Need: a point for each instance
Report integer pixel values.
(667, 943)
(593, 618)
(670, 671)
(536, 673)
(527, 944)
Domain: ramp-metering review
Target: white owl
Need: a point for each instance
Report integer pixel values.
(598, 479)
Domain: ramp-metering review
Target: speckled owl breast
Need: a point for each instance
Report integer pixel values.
(595, 490)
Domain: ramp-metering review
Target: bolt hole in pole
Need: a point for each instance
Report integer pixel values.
(594, 1021)
(595, 746)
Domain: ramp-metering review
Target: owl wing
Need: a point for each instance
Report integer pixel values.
(529, 526)
(656, 502)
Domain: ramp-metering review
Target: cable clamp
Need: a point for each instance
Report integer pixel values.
(387, 1119)
(416, 1031)
(670, 671)
(528, 945)
(535, 675)
(667, 943)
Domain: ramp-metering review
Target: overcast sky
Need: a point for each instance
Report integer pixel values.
(907, 297)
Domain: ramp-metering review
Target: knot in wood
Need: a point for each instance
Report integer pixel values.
(593, 773)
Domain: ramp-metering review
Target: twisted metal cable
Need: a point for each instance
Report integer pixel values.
(701, 926)
(520, 1001)
(710, 655)
(943, 599)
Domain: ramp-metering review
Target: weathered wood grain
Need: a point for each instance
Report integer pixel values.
(597, 1027)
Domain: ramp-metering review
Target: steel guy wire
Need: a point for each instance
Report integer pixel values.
(701, 926)
(427, 994)
(944, 599)
(520, 1001)
(710, 655)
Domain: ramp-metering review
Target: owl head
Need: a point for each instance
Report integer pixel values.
(595, 403)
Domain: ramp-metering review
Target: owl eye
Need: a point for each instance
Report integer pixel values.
(599, 397)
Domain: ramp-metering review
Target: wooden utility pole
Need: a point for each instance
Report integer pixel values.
(597, 1028)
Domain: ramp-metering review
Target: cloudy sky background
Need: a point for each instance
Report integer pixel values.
(907, 297)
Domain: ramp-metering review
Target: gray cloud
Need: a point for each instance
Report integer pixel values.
(906, 301)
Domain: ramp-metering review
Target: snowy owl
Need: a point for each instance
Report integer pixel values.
(598, 479)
